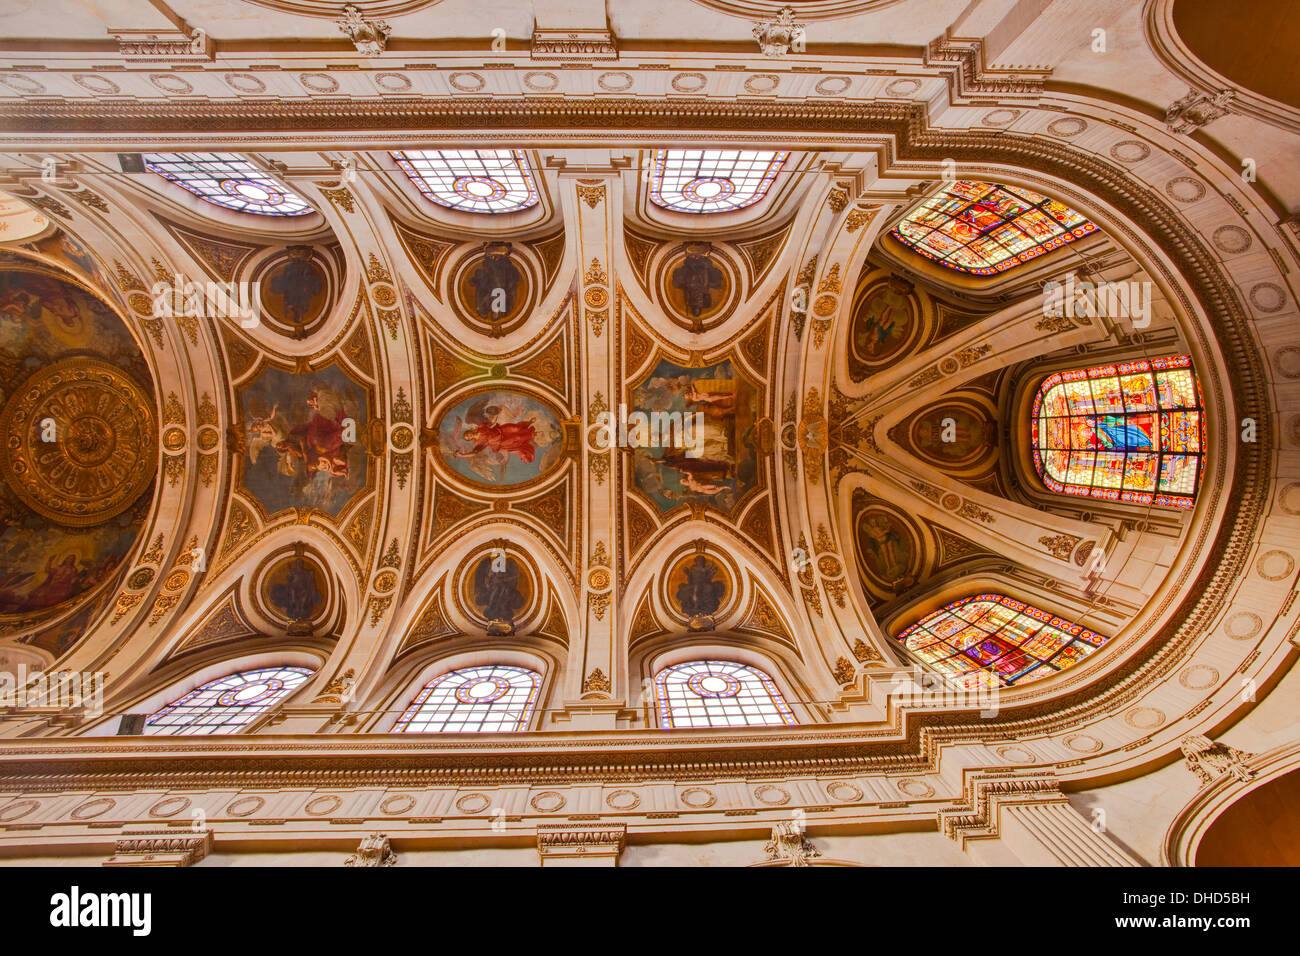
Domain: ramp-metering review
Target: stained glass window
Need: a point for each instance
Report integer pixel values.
(1133, 432)
(491, 699)
(990, 640)
(718, 694)
(712, 180)
(471, 180)
(985, 229)
(229, 180)
(228, 704)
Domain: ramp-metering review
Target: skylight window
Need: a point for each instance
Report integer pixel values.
(471, 180)
(712, 180)
(228, 180)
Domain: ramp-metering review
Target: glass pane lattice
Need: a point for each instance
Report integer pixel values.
(1133, 433)
(228, 704)
(712, 180)
(985, 229)
(228, 180)
(471, 180)
(718, 694)
(490, 699)
(991, 640)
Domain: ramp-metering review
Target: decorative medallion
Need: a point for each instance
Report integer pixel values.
(698, 589)
(80, 442)
(500, 438)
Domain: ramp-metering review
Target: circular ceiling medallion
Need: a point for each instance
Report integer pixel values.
(1000, 117)
(832, 85)
(392, 82)
(622, 800)
(904, 87)
(21, 84)
(93, 808)
(398, 803)
(1268, 297)
(772, 796)
(689, 82)
(1130, 151)
(697, 797)
(170, 83)
(169, 806)
(467, 82)
(1083, 743)
(96, 84)
(319, 82)
(472, 803)
(1275, 565)
(614, 82)
(245, 806)
(916, 788)
(1145, 718)
(1288, 498)
(139, 578)
(547, 802)
(762, 83)
(1016, 754)
(698, 284)
(1067, 126)
(1199, 677)
(1185, 189)
(541, 82)
(1243, 625)
(843, 791)
(244, 83)
(323, 805)
(1231, 239)
(698, 589)
(18, 809)
(493, 288)
(80, 441)
(295, 591)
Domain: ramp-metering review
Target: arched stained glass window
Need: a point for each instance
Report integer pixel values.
(712, 180)
(471, 180)
(228, 704)
(718, 694)
(1133, 432)
(984, 229)
(990, 640)
(229, 180)
(492, 699)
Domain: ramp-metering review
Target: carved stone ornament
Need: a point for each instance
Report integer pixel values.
(369, 36)
(776, 37)
(373, 851)
(1210, 760)
(160, 848)
(789, 846)
(553, 44)
(1196, 109)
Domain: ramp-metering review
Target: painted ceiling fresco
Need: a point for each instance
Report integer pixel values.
(70, 510)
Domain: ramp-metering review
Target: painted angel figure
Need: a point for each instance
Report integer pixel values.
(265, 430)
(494, 428)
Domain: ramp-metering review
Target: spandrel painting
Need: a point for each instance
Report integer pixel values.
(304, 445)
(711, 460)
(500, 438)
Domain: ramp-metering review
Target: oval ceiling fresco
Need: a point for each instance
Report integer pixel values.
(500, 438)
(80, 440)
